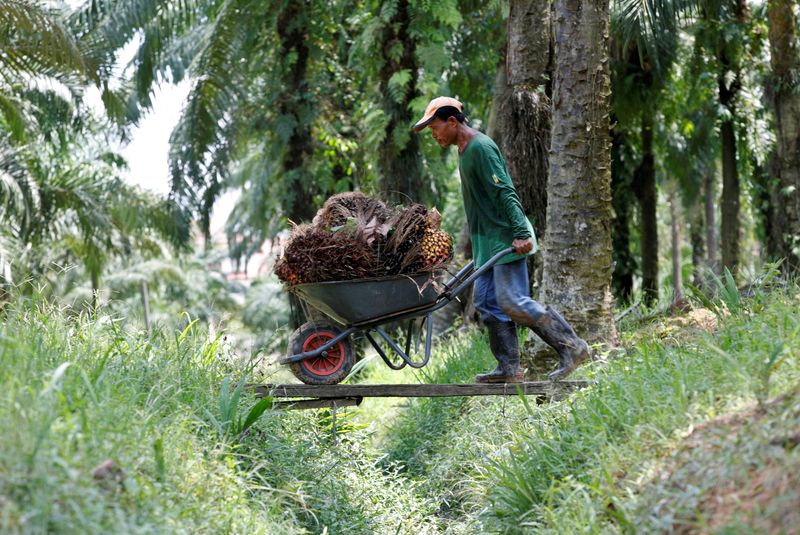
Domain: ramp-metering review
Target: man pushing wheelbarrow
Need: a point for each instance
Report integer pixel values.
(495, 217)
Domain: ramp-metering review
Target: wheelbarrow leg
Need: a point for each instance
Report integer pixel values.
(397, 349)
(385, 358)
(428, 336)
(409, 335)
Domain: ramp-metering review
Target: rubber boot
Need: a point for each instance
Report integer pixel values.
(556, 332)
(505, 348)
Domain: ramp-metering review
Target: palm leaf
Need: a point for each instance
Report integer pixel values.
(35, 41)
(19, 193)
(651, 27)
(201, 143)
(14, 118)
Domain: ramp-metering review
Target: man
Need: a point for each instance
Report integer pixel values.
(496, 220)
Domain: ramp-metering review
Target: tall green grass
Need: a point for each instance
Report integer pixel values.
(446, 444)
(194, 451)
(75, 392)
(198, 453)
(576, 466)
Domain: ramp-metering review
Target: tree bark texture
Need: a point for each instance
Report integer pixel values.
(730, 197)
(696, 226)
(577, 252)
(728, 90)
(622, 202)
(677, 275)
(712, 238)
(528, 55)
(785, 61)
(647, 193)
(295, 102)
(399, 156)
(521, 125)
(769, 209)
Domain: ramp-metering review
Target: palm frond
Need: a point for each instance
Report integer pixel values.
(19, 193)
(162, 27)
(14, 118)
(200, 146)
(651, 27)
(33, 40)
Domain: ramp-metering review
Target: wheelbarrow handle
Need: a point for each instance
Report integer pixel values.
(455, 286)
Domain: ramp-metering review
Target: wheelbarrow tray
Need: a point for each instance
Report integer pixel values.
(366, 300)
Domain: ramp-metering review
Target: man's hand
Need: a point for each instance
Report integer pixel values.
(522, 246)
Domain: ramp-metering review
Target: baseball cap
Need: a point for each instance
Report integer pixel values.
(434, 106)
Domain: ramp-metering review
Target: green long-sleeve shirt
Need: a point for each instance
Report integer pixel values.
(494, 211)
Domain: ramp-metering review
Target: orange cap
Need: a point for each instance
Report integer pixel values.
(433, 107)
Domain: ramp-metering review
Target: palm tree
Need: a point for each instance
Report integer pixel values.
(37, 51)
(722, 27)
(577, 245)
(88, 214)
(644, 40)
(785, 61)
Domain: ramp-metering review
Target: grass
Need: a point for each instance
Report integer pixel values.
(580, 465)
(188, 456)
(192, 453)
(80, 391)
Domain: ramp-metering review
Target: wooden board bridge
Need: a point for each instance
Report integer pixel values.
(334, 396)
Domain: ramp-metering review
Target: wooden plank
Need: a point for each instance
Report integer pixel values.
(317, 403)
(539, 388)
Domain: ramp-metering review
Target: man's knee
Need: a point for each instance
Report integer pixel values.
(521, 309)
(510, 304)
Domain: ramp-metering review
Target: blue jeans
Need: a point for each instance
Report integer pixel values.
(503, 294)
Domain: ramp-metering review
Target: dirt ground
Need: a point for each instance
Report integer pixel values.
(735, 474)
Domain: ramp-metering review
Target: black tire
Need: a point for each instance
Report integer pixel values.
(328, 369)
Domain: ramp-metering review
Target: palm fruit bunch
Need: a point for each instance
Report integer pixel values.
(354, 236)
(436, 244)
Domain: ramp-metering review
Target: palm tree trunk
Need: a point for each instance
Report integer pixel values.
(698, 244)
(770, 207)
(730, 174)
(677, 276)
(709, 195)
(577, 245)
(730, 195)
(402, 175)
(645, 180)
(520, 117)
(295, 102)
(785, 61)
(624, 261)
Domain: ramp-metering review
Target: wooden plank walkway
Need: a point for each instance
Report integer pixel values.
(349, 395)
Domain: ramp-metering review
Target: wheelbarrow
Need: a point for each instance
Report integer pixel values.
(321, 352)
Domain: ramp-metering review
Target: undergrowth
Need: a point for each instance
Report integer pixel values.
(578, 465)
(112, 430)
(106, 430)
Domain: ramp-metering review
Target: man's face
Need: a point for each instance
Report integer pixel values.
(444, 132)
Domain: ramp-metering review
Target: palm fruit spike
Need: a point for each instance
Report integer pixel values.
(436, 246)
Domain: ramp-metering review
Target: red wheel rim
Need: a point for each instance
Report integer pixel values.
(327, 364)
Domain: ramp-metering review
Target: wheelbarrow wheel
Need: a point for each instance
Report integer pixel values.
(327, 369)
